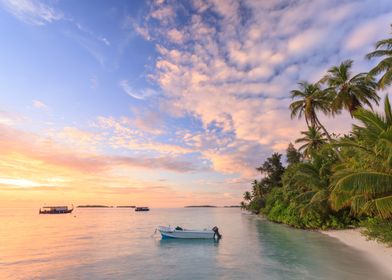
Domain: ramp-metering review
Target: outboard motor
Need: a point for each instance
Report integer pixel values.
(217, 235)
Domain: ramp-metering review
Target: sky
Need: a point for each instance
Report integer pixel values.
(162, 103)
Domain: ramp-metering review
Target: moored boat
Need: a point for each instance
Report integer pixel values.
(137, 209)
(55, 210)
(178, 232)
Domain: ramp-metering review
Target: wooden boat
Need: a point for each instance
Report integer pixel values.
(137, 209)
(178, 232)
(55, 210)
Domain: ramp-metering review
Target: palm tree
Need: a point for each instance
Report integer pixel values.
(312, 141)
(313, 179)
(256, 189)
(310, 99)
(247, 196)
(366, 184)
(351, 92)
(383, 50)
(293, 156)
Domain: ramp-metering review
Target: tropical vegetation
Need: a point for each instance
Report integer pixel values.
(332, 181)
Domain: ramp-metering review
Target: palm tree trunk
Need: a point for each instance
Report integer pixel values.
(324, 129)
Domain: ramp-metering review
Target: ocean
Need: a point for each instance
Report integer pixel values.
(118, 243)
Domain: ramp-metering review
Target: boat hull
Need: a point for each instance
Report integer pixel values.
(142, 209)
(56, 212)
(185, 234)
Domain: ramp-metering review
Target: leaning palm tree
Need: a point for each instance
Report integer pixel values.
(350, 92)
(365, 185)
(384, 67)
(312, 141)
(310, 98)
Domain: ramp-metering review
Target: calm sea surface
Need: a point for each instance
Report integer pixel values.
(119, 244)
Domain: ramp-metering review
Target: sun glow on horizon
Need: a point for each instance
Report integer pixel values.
(162, 103)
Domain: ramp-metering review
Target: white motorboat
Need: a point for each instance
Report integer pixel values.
(178, 232)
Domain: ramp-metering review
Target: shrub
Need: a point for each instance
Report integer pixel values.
(378, 229)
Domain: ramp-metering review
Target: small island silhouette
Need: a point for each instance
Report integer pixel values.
(200, 206)
(93, 206)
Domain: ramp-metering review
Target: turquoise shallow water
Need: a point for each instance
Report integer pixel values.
(118, 244)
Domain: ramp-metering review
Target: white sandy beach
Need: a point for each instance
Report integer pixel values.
(376, 252)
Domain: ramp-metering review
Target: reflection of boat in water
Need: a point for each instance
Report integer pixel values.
(178, 232)
(137, 209)
(188, 244)
(55, 210)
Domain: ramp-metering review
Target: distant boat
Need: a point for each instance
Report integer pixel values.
(55, 210)
(142, 209)
(178, 232)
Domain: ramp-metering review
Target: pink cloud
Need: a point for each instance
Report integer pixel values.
(237, 73)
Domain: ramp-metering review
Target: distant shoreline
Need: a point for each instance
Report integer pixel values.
(200, 206)
(93, 206)
(211, 206)
(105, 206)
(133, 206)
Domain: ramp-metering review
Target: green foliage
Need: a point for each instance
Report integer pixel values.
(384, 67)
(335, 182)
(293, 156)
(378, 229)
(351, 92)
(255, 205)
(273, 170)
(309, 98)
(313, 139)
(282, 206)
(247, 196)
(366, 186)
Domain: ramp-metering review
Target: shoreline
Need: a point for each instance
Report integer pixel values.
(376, 252)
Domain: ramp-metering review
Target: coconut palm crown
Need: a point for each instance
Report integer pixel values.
(366, 184)
(351, 92)
(312, 141)
(384, 67)
(308, 99)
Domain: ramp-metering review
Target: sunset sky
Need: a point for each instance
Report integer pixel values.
(162, 103)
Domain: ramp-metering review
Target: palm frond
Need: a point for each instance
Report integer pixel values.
(357, 204)
(380, 206)
(369, 183)
(340, 200)
(388, 110)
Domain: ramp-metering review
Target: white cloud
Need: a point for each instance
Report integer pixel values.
(307, 40)
(40, 105)
(138, 94)
(175, 36)
(369, 32)
(10, 119)
(235, 72)
(104, 40)
(163, 13)
(32, 11)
